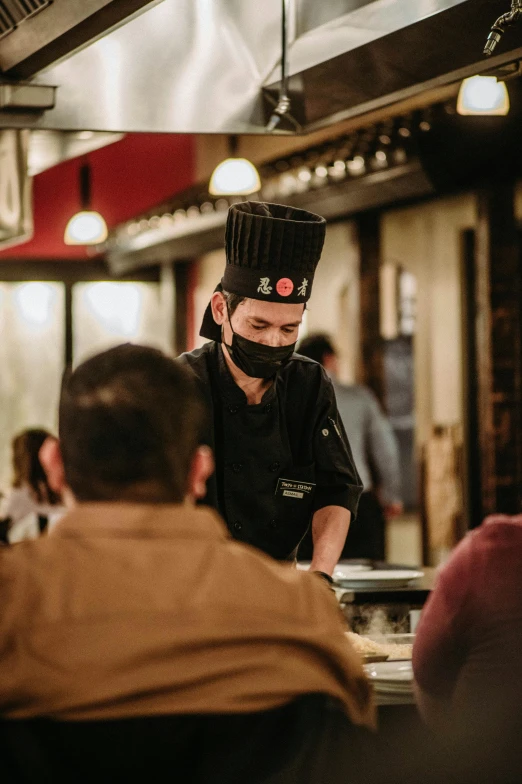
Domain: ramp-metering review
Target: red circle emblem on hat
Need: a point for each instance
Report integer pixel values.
(284, 287)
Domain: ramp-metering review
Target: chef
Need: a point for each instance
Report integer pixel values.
(283, 460)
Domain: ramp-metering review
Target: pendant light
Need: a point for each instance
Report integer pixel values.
(234, 176)
(86, 227)
(483, 95)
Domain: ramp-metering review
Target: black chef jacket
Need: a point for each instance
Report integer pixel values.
(279, 461)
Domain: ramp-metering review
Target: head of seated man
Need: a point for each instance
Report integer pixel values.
(139, 602)
(130, 426)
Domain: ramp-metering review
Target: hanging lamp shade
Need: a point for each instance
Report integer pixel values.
(86, 227)
(234, 176)
(483, 95)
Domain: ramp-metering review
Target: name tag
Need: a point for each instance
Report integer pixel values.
(291, 488)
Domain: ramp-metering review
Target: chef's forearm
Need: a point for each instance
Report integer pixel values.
(329, 528)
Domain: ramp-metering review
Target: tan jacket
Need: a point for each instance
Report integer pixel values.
(129, 610)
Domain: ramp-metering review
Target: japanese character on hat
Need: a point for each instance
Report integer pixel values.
(272, 251)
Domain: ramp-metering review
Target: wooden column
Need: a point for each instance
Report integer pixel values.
(182, 304)
(371, 341)
(68, 326)
(498, 288)
(168, 302)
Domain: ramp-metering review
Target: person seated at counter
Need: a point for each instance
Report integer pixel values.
(139, 606)
(30, 507)
(467, 658)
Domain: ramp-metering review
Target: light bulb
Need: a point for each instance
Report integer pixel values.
(85, 228)
(234, 176)
(483, 95)
(356, 164)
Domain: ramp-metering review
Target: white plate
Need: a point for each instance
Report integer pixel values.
(343, 571)
(340, 570)
(379, 578)
(394, 673)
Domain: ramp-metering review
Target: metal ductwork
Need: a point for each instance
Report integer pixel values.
(212, 66)
(48, 148)
(14, 12)
(37, 33)
(425, 153)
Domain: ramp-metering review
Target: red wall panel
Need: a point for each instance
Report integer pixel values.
(128, 177)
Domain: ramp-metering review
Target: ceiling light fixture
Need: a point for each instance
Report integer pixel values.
(337, 169)
(304, 174)
(86, 227)
(234, 176)
(356, 165)
(483, 95)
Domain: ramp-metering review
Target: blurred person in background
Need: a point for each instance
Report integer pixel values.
(375, 452)
(31, 506)
(139, 607)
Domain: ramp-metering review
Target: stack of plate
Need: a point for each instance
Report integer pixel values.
(392, 681)
(341, 569)
(364, 578)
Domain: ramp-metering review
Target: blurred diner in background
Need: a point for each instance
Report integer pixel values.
(31, 506)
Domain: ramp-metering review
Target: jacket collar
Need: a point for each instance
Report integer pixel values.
(230, 391)
(121, 519)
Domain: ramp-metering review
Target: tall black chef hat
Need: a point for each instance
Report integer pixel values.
(272, 251)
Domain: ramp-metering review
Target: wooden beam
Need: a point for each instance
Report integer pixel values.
(371, 341)
(68, 326)
(73, 271)
(498, 292)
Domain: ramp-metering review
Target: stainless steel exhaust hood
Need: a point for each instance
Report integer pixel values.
(211, 66)
(37, 33)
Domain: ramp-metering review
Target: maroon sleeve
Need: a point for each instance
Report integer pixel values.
(440, 641)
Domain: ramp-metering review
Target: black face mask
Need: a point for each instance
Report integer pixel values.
(256, 359)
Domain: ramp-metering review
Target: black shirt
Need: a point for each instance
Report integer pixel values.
(279, 461)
